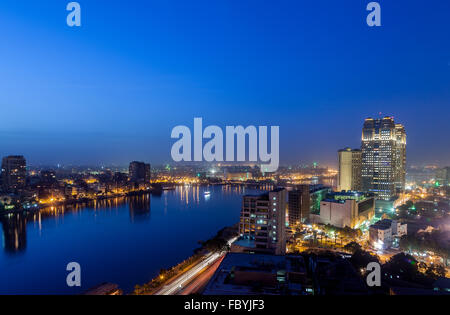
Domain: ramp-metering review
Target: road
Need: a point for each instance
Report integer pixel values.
(177, 285)
(202, 280)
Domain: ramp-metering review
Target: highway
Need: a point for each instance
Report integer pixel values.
(200, 282)
(178, 285)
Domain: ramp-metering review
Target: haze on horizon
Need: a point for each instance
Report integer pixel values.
(111, 91)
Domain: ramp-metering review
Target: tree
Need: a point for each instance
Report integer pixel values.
(360, 259)
(409, 243)
(216, 245)
(352, 247)
(436, 271)
(402, 266)
(404, 210)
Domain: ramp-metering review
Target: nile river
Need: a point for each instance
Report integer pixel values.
(123, 240)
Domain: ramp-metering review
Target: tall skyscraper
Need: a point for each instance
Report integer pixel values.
(349, 170)
(400, 156)
(263, 221)
(14, 172)
(139, 172)
(383, 157)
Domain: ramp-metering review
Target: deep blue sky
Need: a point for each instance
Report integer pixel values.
(112, 90)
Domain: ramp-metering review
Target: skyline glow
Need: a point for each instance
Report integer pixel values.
(112, 90)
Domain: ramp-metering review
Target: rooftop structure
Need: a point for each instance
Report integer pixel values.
(250, 274)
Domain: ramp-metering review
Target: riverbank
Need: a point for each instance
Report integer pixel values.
(218, 243)
(126, 241)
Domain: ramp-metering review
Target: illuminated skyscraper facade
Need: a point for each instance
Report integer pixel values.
(383, 157)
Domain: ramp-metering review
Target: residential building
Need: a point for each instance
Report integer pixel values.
(383, 233)
(262, 225)
(14, 172)
(380, 235)
(139, 172)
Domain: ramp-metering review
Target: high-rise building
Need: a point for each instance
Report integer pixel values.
(383, 157)
(14, 172)
(400, 156)
(349, 170)
(298, 205)
(263, 222)
(139, 172)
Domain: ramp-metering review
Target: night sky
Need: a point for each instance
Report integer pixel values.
(112, 90)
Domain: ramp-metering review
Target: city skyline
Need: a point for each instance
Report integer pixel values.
(331, 163)
(111, 91)
(207, 150)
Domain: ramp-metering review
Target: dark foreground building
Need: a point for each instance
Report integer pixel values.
(252, 274)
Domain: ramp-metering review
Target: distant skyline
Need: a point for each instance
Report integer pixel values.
(111, 91)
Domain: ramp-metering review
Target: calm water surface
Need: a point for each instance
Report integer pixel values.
(124, 240)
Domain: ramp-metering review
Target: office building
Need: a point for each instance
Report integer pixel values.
(139, 172)
(349, 170)
(303, 200)
(400, 158)
(262, 226)
(14, 172)
(383, 157)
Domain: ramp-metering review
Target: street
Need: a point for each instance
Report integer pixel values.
(183, 282)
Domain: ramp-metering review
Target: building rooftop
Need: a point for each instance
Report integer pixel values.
(266, 195)
(245, 243)
(383, 224)
(249, 274)
(349, 150)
